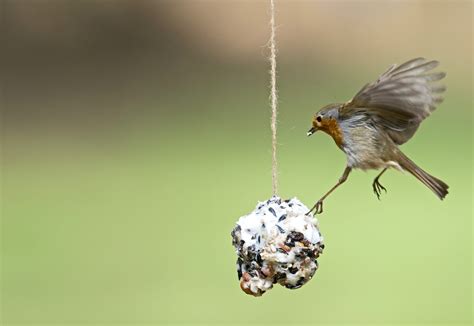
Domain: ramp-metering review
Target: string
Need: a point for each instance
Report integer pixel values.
(273, 98)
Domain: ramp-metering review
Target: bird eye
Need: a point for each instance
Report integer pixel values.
(318, 118)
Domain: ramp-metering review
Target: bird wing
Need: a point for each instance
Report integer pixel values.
(400, 99)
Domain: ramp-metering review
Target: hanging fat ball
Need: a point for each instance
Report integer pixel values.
(276, 243)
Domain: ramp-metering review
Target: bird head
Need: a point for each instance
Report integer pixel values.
(324, 118)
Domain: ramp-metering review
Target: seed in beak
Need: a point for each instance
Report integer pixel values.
(311, 131)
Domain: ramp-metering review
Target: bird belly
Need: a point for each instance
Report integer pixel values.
(365, 148)
(363, 160)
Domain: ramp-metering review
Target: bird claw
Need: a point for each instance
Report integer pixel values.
(317, 208)
(377, 187)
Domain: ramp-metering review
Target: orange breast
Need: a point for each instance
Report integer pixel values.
(331, 127)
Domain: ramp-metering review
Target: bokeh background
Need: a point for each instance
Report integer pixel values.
(135, 133)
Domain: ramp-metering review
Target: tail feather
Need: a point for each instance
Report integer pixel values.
(436, 185)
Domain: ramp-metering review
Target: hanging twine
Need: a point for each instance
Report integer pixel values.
(273, 98)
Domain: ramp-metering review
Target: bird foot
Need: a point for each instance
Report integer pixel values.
(317, 208)
(377, 187)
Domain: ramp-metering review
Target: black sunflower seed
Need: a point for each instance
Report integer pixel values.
(271, 210)
(280, 229)
(292, 287)
(259, 259)
(310, 253)
(282, 218)
(239, 268)
(293, 270)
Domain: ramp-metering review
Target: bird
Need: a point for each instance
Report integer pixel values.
(383, 115)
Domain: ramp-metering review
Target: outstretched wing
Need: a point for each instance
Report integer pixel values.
(400, 99)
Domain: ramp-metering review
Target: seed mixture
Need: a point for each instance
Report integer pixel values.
(276, 243)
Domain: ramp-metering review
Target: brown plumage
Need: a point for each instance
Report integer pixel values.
(381, 116)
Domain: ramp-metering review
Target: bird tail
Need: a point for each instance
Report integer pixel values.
(436, 185)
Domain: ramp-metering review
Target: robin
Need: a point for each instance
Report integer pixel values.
(381, 116)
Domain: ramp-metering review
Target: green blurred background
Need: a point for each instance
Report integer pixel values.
(135, 133)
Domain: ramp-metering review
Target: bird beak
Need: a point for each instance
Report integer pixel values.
(311, 131)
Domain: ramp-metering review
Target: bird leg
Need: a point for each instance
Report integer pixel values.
(377, 186)
(318, 207)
